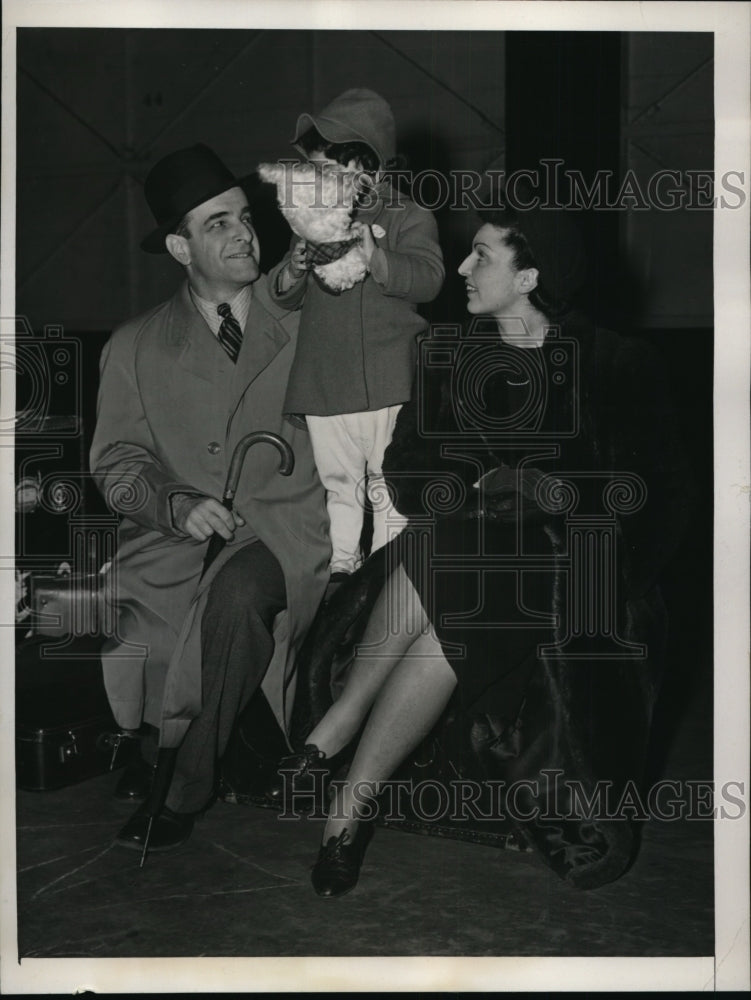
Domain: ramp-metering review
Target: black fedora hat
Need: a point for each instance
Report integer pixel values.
(180, 182)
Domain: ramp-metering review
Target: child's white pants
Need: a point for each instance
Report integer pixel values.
(348, 450)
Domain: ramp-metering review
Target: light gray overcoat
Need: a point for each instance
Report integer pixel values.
(171, 410)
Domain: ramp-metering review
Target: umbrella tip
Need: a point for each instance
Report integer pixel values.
(146, 840)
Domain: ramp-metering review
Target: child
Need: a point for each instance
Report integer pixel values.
(356, 349)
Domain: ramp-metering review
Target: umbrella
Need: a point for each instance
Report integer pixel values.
(166, 756)
(217, 543)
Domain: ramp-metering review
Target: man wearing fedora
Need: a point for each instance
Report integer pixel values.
(180, 386)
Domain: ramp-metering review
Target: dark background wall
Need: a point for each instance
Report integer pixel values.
(96, 107)
(564, 93)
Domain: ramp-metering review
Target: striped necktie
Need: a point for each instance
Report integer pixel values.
(230, 335)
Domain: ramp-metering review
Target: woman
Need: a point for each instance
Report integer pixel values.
(477, 457)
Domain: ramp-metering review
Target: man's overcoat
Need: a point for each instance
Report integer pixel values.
(172, 408)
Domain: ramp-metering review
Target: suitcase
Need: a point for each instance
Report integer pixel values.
(67, 605)
(65, 731)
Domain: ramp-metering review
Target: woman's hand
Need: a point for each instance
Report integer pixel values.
(364, 233)
(509, 494)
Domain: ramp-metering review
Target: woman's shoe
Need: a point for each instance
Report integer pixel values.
(338, 866)
(301, 781)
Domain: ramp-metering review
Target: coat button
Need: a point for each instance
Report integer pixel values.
(215, 447)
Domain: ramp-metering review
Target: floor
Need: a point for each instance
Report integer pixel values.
(240, 886)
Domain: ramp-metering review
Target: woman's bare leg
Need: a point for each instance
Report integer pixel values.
(396, 622)
(410, 702)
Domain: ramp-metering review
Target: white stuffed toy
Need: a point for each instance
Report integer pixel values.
(317, 201)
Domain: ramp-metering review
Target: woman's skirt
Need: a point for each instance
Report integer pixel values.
(487, 589)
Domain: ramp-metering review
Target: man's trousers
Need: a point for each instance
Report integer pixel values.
(236, 647)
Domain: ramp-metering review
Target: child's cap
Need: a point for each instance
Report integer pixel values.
(357, 115)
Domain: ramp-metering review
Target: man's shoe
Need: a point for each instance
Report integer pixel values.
(301, 780)
(135, 781)
(338, 866)
(168, 831)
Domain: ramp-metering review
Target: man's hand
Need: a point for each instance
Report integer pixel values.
(295, 268)
(201, 517)
(298, 263)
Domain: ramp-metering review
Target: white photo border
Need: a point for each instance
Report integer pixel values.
(729, 969)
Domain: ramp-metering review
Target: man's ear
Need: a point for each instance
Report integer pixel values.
(179, 248)
(528, 279)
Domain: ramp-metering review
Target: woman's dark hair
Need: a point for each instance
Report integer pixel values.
(505, 219)
(342, 152)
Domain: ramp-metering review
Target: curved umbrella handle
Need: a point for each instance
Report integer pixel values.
(216, 542)
(238, 457)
